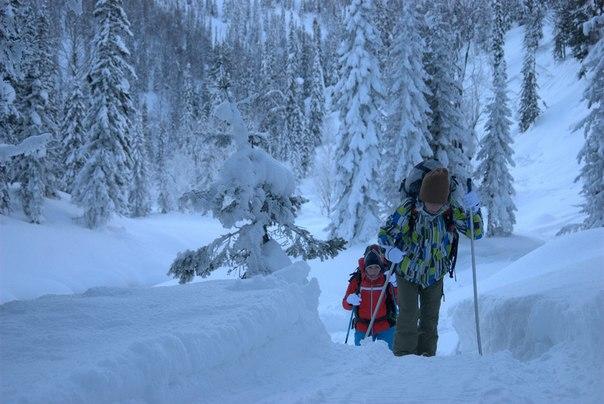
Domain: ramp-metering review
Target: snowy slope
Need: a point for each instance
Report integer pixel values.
(61, 256)
(546, 155)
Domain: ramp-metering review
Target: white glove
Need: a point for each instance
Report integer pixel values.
(392, 279)
(471, 201)
(395, 255)
(353, 299)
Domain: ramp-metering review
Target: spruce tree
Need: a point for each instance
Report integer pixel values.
(72, 130)
(495, 152)
(449, 137)
(317, 99)
(164, 198)
(358, 95)
(10, 74)
(529, 99)
(140, 198)
(407, 134)
(34, 119)
(45, 57)
(294, 145)
(318, 47)
(592, 153)
(103, 183)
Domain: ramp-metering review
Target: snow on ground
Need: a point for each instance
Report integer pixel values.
(260, 340)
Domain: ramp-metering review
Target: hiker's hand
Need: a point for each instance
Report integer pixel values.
(392, 279)
(471, 201)
(395, 255)
(353, 299)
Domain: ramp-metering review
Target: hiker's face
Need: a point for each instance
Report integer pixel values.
(373, 271)
(433, 208)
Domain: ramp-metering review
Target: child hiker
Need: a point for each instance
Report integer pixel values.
(362, 296)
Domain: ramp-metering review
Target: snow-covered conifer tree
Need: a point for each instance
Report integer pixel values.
(35, 120)
(102, 185)
(140, 198)
(318, 47)
(10, 73)
(295, 146)
(495, 152)
(450, 139)
(254, 196)
(317, 99)
(407, 134)
(164, 198)
(358, 95)
(45, 57)
(72, 130)
(529, 99)
(592, 153)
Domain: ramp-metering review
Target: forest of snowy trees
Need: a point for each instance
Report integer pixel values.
(128, 93)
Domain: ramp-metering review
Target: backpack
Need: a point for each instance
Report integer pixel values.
(391, 306)
(410, 187)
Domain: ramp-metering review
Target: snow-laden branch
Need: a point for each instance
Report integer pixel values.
(31, 145)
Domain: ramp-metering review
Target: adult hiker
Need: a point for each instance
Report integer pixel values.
(363, 292)
(421, 238)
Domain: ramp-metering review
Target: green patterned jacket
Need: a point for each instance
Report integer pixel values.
(427, 248)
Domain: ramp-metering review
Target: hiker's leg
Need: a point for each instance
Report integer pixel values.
(387, 336)
(405, 337)
(430, 299)
(358, 336)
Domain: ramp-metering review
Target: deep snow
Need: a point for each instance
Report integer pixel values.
(261, 340)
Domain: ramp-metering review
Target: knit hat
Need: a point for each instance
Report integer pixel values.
(371, 258)
(435, 186)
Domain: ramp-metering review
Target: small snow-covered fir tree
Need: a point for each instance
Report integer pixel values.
(592, 153)
(529, 98)
(102, 185)
(140, 198)
(407, 134)
(358, 96)
(254, 196)
(495, 152)
(72, 129)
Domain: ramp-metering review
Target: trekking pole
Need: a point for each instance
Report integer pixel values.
(349, 326)
(379, 302)
(469, 183)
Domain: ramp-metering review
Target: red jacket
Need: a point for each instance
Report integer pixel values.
(370, 294)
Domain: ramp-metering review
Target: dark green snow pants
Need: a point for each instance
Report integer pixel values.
(411, 337)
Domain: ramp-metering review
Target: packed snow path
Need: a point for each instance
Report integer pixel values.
(261, 340)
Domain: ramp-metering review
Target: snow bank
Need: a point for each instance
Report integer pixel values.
(547, 306)
(164, 344)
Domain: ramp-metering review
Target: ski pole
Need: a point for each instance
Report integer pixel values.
(349, 325)
(469, 183)
(379, 300)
